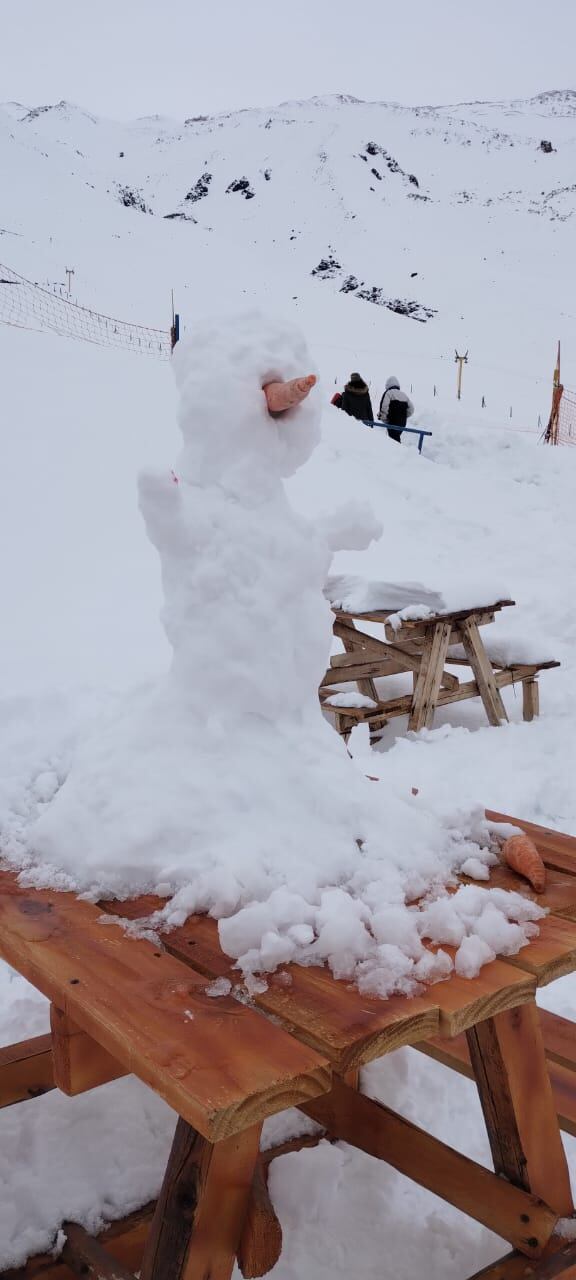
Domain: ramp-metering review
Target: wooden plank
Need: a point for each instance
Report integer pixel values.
(416, 629)
(484, 675)
(261, 1240)
(197, 1225)
(462, 1003)
(314, 1006)
(558, 1263)
(507, 1055)
(361, 673)
(153, 1015)
(85, 1256)
(351, 1029)
(517, 1216)
(26, 1070)
(429, 680)
(530, 700)
(557, 849)
(80, 1063)
(552, 954)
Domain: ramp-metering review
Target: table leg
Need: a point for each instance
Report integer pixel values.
(198, 1222)
(530, 699)
(509, 1063)
(429, 678)
(483, 673)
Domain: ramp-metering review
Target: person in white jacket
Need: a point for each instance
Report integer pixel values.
(395, 408)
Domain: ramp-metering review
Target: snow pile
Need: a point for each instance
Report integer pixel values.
(413, 599)
(222, 788)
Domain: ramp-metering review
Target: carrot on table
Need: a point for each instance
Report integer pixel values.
(521, 855)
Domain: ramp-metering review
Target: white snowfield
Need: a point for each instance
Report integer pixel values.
(85, 666)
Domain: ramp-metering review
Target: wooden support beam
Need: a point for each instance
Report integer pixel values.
(429, 678)
(365, 683)
(482, 668)
(519, 1217)
(197, 1226)
(557, 1263)
(401, 706)
(26, 1070)
(361, 673)
(86, 1257)
(261, 1241)
(530, 700)
(80, 1063)
(507, 1055)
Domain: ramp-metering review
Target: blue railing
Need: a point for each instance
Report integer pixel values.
(413, 431)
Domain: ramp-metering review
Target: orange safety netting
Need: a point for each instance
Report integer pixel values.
(561, 428)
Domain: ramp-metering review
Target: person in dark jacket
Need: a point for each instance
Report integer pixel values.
(355, 399)
(395, 409)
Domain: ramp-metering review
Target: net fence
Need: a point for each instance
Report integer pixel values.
(567, 418)
(561, 428)
(26, 305)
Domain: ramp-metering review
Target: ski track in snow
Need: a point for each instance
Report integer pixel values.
(81, 587)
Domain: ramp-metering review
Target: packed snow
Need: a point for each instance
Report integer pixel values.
(84, 655)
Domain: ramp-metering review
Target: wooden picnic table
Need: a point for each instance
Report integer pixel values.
(423, 648)
(124, 1005)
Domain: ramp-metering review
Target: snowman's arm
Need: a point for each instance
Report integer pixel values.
(160, 502)
(285, 395)
(352, 527)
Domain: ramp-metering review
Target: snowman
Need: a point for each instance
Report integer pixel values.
(224, 780)
(222, 788)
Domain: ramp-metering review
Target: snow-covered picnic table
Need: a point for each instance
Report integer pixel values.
(422, 638)
(165, 1010)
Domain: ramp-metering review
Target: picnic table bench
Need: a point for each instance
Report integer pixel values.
(422, 647)
(121, 1004)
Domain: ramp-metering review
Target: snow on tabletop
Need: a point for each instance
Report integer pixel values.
(223, 786)
(464, 590)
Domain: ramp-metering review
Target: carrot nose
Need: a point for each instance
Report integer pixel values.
(284, 395)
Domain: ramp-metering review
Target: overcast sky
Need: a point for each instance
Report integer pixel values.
(125, 58)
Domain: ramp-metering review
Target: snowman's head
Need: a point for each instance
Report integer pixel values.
(230, 439)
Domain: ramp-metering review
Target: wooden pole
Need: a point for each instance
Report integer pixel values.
(551, 434)
(460, 361)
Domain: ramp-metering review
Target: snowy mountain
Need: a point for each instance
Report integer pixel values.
(454, 217)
